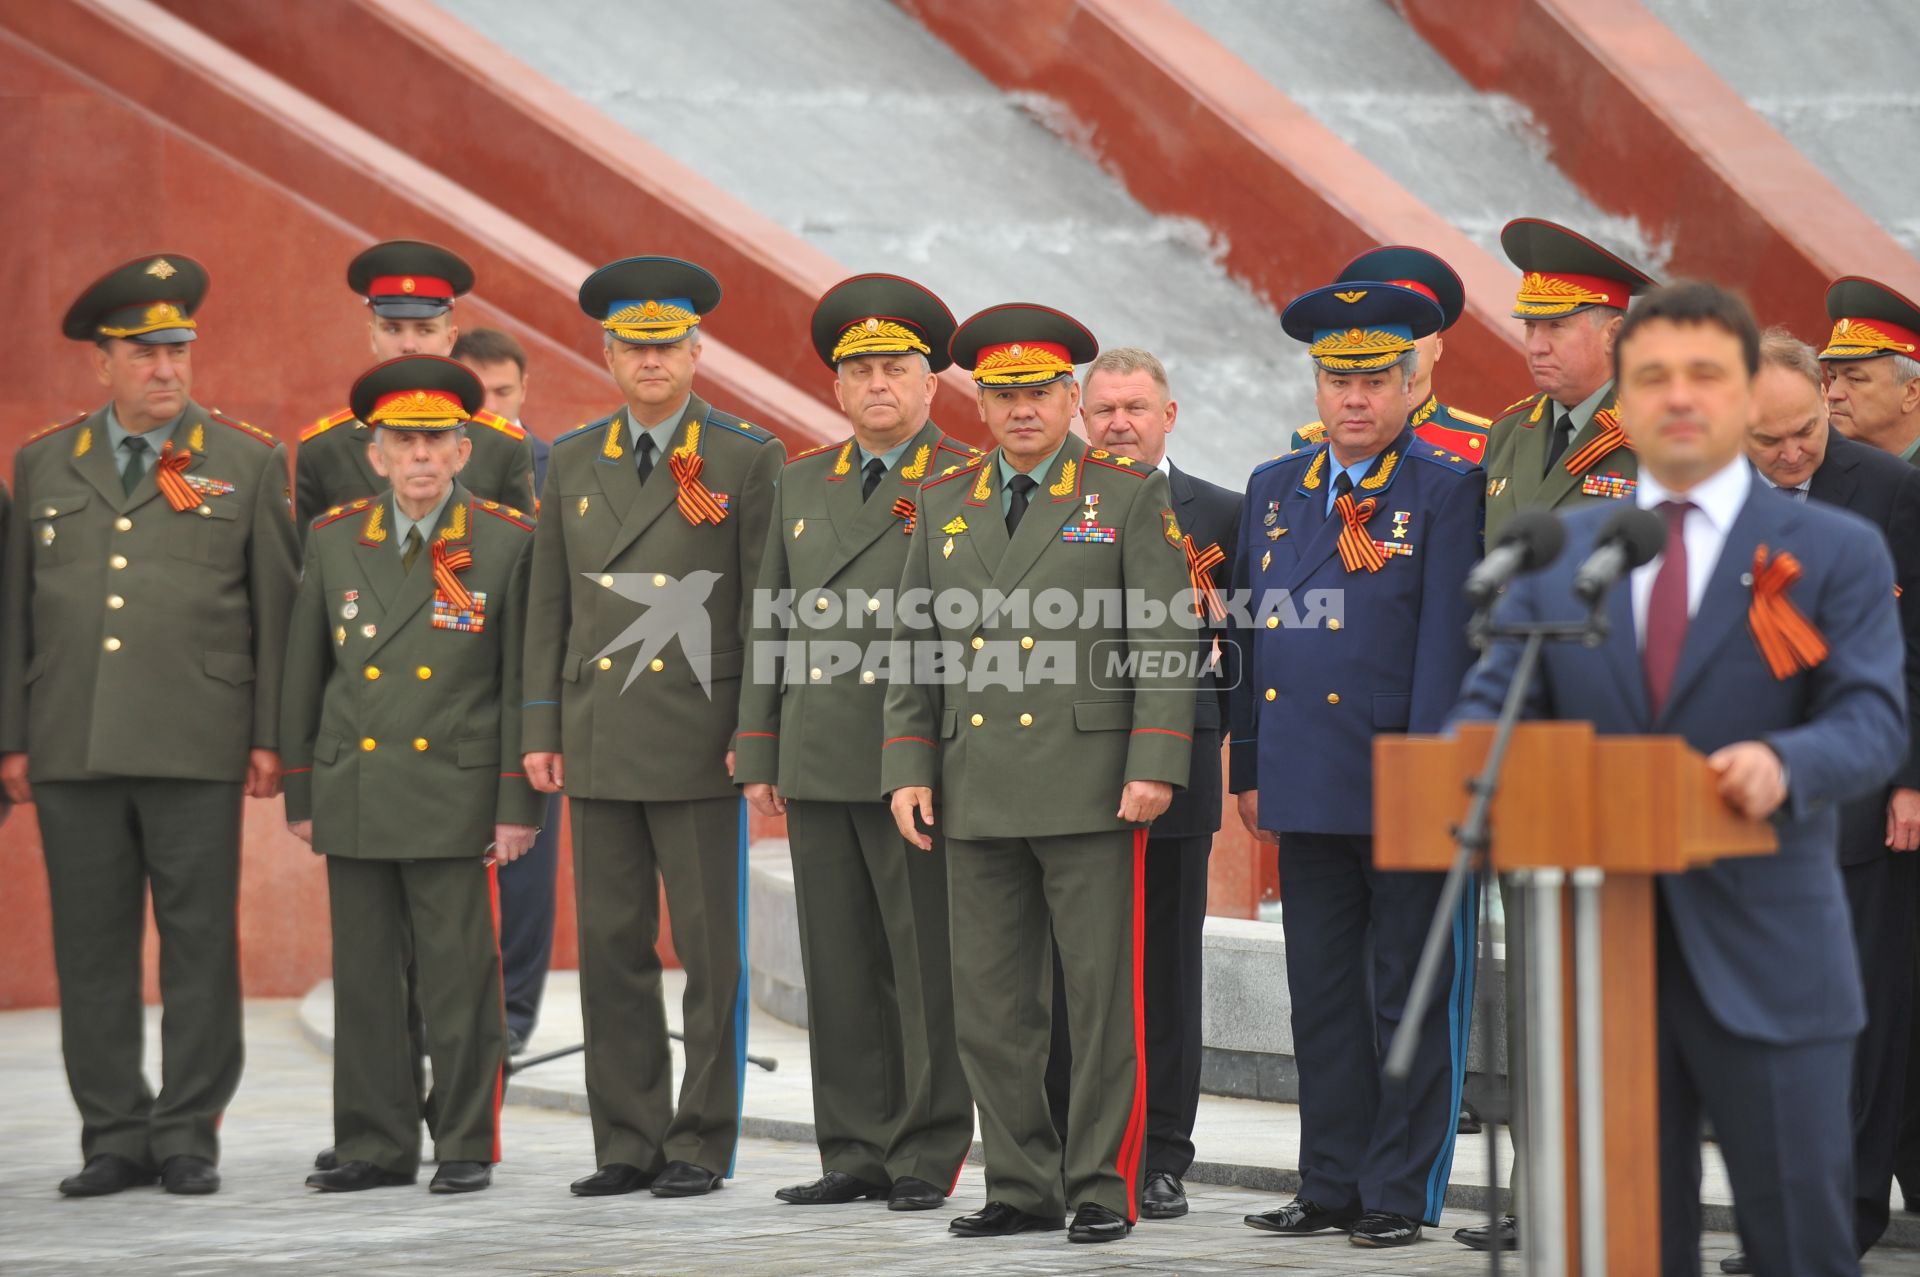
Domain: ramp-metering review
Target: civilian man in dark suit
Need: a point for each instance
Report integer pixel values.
(1759, 989)
(526, 884)
(1794, 448)
(1128, 410)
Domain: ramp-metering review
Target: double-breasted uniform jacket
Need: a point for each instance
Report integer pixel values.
(1599, 465)
(1335, 657)
(623, 578)
(1049, 754)
(819, 738)
(401, 715)
(145, 631)
(331, 468)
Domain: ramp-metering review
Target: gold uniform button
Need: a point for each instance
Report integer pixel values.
(420, 743)
(1026, 642)
(819, 605)
(606, 662)
(606, 583)
(1333, 698)
(50, 512)
(367, 744)
(373, 672)
(1273, 622)
(814, 673)
(204, 511)
(123, 524)
(117, 562)
(1026, 720)
(1271, 693)
(978, 720)
(978, 642)
(1333, 623)
(659, 580)
(424, 672)
(112, 645)
(866, 676)
(873, 605)
(656, 665)
(115, 601)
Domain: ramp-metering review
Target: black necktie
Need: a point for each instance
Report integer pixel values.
(1342, 485)
(646, 457)
(410, 548)
(1018, 487)
(136, 467)
(874, 469)
(1562, 436)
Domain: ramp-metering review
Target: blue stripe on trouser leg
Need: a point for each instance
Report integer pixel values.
(740, 1000)
(1466, 930)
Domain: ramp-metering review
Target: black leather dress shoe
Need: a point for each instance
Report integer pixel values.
(189, 1176)
(612, 1180)
(835, 1188)
(1506, 1235)
(997, 1219)
(355, 1177)
(1382, 1228)
(1095, 1223)
(106, 1173)
(1301, 1216)
(326, 1159)
(1164, 1196)
(684, 1179)
(910, 1192)
(461, 1177)
(1736, 1263)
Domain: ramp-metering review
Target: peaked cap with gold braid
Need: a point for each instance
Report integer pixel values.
(1019, 344)
(1870, 320)
(1359, 325)
(649, 301)
(1565, 272)
(881, 315)
(150, 300)
(418, 392)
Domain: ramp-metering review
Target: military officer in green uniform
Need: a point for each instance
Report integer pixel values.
(1056, 719)
(1562, 445)
(892, 1113)
(1438, 425)
(149, 572)
(403, 682)
(643, 574)
(1872, 366)
(410, 288)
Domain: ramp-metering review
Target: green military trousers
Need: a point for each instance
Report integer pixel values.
(442, 911)
(889, 1096)
(107, 843)
(1011, 899)
(623, 852)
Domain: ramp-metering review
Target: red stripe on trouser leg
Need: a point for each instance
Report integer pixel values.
(1128, 1164)
(500, 1071)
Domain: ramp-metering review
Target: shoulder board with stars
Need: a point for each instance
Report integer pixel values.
(340, 512)
(57, 427)
(1313, 431)
(504, 512)
(1518, 404)
(246, 428)
(1441, 457)
(590, 427)
(745, 429)
(325, 424)
(1298, 454)
(965, 467)
(814, 452)
(1126, 465)
(498, 422)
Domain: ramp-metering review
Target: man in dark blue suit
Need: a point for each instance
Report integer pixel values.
(526, 885)
(1759, 989)
(1354, 552)
(1129, 410)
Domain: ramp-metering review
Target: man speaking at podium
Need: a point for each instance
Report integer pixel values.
(1766, 635)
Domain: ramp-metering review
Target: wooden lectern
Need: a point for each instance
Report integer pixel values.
(1630, 806)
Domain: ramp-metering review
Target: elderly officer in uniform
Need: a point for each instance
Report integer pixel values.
(403, 680)
(150, 567)
(411, 289)
(1129, 410)
(644, 567)
(892, 1113)
(1439, 425)
(1051, 757)
(1355, 552)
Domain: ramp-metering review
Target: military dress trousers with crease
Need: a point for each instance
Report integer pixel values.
(636, 639)
(144, 634)
(1028, 751)
(400, 722)
(331, 468)
(889, 1097)
(1358, 629)
(1596, 465)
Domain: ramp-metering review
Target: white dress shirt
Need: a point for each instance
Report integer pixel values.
(1717, 501)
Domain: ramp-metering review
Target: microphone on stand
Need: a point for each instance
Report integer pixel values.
(1530, 541)
(1629, 538)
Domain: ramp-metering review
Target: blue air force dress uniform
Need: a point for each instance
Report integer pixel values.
(643, 576)
(1436, 424)
(1358, 628)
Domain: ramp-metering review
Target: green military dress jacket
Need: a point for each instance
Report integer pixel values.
(141, 639)
(1050, 755)
(400, 722)
(819, 738)
(332, 469)
(1604, 467)
(631, 584)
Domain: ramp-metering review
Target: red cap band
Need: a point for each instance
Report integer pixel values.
(409, 286)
